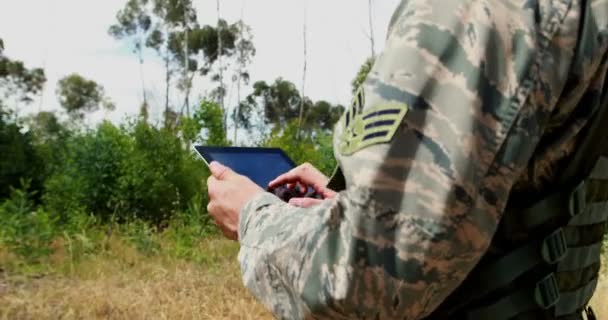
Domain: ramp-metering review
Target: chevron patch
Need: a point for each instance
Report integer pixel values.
(374, 126)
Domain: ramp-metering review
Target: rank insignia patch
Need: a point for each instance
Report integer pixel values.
(374, 126)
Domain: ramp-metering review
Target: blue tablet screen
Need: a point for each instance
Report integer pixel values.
(261, 165)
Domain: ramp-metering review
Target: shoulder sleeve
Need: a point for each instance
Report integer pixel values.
(449, 116)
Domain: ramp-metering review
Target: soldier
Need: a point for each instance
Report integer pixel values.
(472, 179)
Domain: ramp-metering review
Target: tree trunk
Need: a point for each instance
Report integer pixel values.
(167, 85)
(221, 71)
(141, 73)
(186, 61)
(238, 107)
(301, 116)
(371, 29)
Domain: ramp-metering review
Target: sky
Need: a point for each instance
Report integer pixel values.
(70, 36)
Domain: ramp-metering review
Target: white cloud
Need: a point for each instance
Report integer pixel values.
(66, 36)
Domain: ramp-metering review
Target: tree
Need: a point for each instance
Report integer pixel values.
(280, 104)
(134, 23)
(78, 96)
(172, 17)
(46, 126)
(17, 80)
(171, 28)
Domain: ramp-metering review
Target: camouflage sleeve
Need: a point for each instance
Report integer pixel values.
(445, 123)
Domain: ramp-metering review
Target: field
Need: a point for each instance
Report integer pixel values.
(122, 283)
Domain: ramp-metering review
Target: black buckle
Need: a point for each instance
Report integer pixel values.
(546, 292)
(554, 247)
(578, 200)
(590, 314)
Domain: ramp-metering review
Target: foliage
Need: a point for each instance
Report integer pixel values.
(210, 117)
(19, 157)
(171, 28)
(130, 172)
(26, 231)
(69, 190)
(315, 149)
(364, 70)
(280, 102)
(78, 96)
(16, 79)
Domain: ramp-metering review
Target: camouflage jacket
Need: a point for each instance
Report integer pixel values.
(470, 101)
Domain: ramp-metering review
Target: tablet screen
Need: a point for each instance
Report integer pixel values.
(261, 165)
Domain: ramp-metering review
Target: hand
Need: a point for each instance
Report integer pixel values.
(305, 176)
(228, 194)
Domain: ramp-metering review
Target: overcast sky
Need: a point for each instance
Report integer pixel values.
(66, 36)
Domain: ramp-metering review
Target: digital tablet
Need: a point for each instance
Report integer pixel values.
(261, 165)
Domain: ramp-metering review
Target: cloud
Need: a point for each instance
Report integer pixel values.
(65, 36)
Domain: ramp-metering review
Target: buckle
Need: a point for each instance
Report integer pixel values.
(589, 313)
(578, 200)
(554, 247)
(546, 292)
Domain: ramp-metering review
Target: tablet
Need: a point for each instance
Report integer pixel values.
(261, 165)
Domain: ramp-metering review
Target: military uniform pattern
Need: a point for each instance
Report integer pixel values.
(496, 92)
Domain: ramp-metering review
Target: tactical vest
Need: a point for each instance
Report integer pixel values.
(553, 272)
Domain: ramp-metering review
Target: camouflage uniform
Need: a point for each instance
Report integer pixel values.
(489, 98)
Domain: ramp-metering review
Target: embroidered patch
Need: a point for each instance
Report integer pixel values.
(374, 126)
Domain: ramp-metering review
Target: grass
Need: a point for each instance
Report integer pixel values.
(121, 282)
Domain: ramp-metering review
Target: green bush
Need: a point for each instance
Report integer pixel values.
(25, 230)
(87, 178)
(18, 158)
(137, 172)
(315, 149)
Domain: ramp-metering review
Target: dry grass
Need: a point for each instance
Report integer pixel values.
(123, 284)
(132, 286)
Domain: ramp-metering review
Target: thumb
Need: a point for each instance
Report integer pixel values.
(218, 170)
(304, 202)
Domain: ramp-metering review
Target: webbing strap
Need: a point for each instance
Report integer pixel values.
(505, 270)
(580, 257)
(571, 301)
(594, 213)
(601, 169)
(592, 147)
(544, 294)
(551, 207)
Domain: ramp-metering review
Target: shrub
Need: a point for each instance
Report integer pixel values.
(315, 149)
(18, 159)
(130, 172)
(25, 230)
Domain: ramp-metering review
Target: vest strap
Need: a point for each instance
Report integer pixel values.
(596, 213)
(549, 208)
(505, 270)
(545, 294)
(601, 169)
(571, 301)
(580, 257)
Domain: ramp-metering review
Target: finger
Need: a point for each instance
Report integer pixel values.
(212, 186)
(305, 174)
(211, 209)
(304, 202)
(219, 170)
(328, 193)
(231, 235)
(288, 177)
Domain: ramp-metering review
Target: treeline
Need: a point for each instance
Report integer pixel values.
(60, 179)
